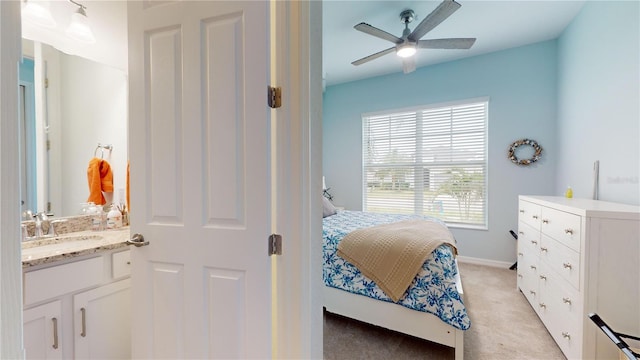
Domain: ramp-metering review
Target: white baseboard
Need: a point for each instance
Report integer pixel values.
(486, 262)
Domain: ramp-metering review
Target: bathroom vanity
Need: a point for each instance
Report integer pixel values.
(76, 296)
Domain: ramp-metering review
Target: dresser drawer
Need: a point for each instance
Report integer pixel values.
(562, 260)
(528, 278)
(529, 213)
(564, 306)
(562, 226)
(528, 239)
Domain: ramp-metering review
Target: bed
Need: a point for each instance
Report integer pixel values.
(432, 308)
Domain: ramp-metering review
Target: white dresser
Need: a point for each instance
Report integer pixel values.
(580, 256)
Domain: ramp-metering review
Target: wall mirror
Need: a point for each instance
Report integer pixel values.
(69, 106)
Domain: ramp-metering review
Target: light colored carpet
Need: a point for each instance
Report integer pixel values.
(503, 326)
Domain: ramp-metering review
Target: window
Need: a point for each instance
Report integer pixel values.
(430, 160)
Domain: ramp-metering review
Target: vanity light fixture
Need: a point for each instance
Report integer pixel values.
(79, 28)
(38, 13)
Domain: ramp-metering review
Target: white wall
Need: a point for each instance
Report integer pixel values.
(521, 85)
(598, 101)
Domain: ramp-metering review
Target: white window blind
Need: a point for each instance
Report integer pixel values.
(429, 160)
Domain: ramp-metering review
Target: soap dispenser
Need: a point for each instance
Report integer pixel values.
(114, 218)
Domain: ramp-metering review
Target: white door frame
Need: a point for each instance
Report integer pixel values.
(298, 71)
(299, 24)
(10, 265)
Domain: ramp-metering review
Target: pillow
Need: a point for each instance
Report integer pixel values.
(327, 208)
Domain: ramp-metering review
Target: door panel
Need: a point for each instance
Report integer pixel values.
(200, 179)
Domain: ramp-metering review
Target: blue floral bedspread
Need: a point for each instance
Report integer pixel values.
(433, 290)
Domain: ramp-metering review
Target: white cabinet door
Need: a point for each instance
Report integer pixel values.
(42, 335)
(102, 322)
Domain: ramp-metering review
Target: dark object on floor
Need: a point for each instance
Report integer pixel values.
(616, 337)
(515, 264)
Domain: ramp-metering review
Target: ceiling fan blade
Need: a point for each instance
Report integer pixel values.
(368, 29)
(373, 56)
(409, 64)
(453, 43)
(441, 13)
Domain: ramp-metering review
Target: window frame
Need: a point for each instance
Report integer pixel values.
(441, 105)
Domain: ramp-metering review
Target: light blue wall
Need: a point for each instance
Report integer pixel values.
(521, 85)
(598, 101)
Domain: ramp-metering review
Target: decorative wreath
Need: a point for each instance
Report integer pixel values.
(536, 156)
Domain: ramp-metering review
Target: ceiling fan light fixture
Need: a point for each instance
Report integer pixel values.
(406, 50)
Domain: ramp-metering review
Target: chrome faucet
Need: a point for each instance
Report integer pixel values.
(44, 226)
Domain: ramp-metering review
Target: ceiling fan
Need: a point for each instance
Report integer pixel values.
(407, 45)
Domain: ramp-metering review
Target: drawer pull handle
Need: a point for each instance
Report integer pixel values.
(545, 221)
(542, 277)
(55, 332)
(532, 292)
(521, 211)
(566, 335)
(543, 249)
(566, 265)
(533, 267)
(542, 305)
(534, 242)
(568, 231)
(566, 300)
(535, 217)
(83, 333)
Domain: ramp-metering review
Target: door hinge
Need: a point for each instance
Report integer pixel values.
(48, 145)
(275, 244)
(274, 97)
(46, 83)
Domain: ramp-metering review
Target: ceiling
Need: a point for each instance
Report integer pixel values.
(497, 25)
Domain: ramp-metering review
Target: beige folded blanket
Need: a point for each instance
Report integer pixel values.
(393, 254)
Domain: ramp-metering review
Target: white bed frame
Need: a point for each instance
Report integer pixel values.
(396, 317)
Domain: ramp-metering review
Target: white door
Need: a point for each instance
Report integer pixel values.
(200, 183)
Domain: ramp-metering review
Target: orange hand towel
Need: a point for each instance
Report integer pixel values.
(100, 180)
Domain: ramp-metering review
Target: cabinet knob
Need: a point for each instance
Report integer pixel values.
(520, 276)
(532, 292)
(543, 249)
(566, 335)
(566, 300)
(534, 242)
(542, 277)
(535, 217)
(533, 267)
(545, 221)
(566, 265)
(520, 254)
(521, 211)
(542, 305)
(520, 232)
(568, 231)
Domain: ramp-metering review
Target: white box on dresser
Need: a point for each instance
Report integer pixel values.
(580, 256)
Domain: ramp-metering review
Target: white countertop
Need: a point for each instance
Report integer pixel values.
(48, 250)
